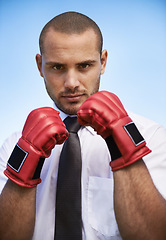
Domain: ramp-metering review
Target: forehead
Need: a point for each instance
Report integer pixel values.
(62, 43)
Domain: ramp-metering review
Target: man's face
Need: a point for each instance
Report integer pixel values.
(71, 66)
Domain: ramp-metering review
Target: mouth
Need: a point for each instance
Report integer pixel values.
(73, 97)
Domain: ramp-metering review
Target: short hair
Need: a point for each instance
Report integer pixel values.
(71, 23)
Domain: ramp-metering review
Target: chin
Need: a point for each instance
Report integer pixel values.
(71, 110)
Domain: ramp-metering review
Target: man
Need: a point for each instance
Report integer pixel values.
(120, 201)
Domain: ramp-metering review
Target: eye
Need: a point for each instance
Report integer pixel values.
(84, 65)
(58, 67)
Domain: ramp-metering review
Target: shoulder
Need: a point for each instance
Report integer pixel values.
(5, 152)
(148, 128)
(8, 145)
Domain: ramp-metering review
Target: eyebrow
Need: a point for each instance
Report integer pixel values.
(87, 61)
(79, 63)
(54, 63)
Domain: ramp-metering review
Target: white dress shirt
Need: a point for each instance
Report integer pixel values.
(97, 180)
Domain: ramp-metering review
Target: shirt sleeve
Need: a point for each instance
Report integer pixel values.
(155, 136)
(5, 152)
(156, 160)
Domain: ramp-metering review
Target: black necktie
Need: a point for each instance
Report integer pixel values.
(68, 221)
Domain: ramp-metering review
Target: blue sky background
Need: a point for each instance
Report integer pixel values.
(134, 35)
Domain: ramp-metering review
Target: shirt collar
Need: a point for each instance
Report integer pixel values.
(64, 115)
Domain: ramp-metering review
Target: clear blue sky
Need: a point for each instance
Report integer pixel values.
(134, 35)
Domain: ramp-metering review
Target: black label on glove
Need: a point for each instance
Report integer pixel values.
(17, 158)
(133, 133)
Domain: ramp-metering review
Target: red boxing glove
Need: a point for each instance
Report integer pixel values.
(43, 129)
(104, 112)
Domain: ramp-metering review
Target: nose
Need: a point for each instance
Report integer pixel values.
(71, 80)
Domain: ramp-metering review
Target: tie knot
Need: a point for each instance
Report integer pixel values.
(71, 124)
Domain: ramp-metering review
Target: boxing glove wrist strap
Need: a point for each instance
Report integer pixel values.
(126, 145)
(24, 168)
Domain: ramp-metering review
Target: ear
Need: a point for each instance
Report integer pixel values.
(39, 63)
(104, 56)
